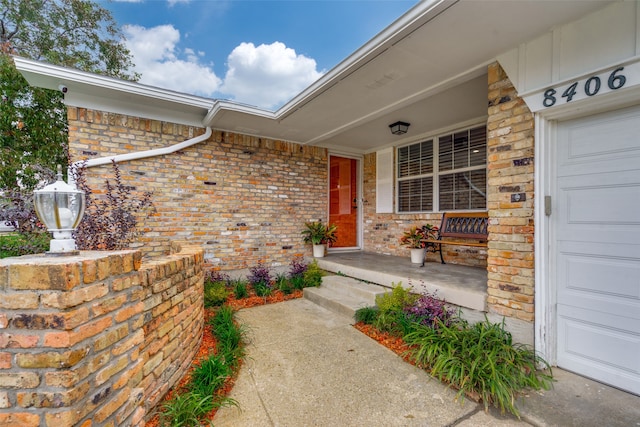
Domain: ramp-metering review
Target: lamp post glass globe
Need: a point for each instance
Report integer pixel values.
(60, 207)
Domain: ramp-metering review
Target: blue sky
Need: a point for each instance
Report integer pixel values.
(257, 52)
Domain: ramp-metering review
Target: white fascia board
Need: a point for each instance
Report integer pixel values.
(220, 106)
(96, 91)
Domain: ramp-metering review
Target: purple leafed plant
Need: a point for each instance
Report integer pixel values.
(259, 274)
(298, 267)
(214, 276)
(427, 309)
(111, 221)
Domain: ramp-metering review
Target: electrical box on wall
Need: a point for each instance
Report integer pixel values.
(518, 197)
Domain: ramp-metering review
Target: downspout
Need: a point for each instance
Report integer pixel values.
(144, 154)
(140, 154)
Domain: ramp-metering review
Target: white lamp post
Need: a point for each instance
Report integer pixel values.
(60, 207)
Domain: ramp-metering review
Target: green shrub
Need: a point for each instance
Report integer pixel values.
(215, 294)
(240, 288)
(396, 300)
(284, 284)
(262, 289)
(229, 335)
(297, 282)
(190, 408)
(23, 244)
(185, 410)
(367, 315)
(481, 359)
(209, 375)
(313, 275)
(391, 317)
(390, 321)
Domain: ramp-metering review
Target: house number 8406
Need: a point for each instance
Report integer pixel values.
(591, 87)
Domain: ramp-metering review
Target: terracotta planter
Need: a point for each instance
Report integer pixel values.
(319, 250)
(417, 255)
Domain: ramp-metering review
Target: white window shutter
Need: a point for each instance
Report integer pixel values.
(384, 181)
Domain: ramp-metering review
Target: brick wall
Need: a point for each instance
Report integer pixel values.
(510, 255)
(382, 232)
(97, 338)
(510, 140)
(243, 198)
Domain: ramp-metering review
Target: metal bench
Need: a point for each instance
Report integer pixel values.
(460, 225)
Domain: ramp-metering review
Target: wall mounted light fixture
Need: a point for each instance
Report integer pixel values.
(399, 128)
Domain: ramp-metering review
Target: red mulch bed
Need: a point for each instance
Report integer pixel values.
(395, 344)
(253, 300)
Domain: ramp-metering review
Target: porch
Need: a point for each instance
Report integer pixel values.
(457, 284)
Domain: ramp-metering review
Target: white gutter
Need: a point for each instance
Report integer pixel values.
(141, 154)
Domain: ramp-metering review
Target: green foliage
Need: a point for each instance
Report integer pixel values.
(240, 288)
(74, 33)
(208, 376)
(33, 130)
(185, 410)
(317, 233)
(389, 321)
(391, 305)
(284, 284)
(229, 334)
(297, 282)
(262, 289)
(189, 409)
(367, 315)
(215, 294)
(33, 124)
(395, 300)
(24, 244)
(481, 359)
(313, 275)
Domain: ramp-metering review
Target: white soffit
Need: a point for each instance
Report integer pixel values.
(434, 47)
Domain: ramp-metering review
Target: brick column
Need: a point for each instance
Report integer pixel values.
(510, 142)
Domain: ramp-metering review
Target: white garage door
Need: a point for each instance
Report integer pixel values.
(595, 245)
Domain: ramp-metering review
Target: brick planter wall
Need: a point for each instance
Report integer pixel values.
(244, 199)
(97, 338)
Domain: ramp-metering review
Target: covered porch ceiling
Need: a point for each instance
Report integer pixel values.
(428, 68)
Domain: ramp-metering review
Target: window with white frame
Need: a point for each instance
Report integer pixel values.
(445, 173)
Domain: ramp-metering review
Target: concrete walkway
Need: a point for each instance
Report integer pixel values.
(308, 366)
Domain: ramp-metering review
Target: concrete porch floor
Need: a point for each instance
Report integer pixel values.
(457, 284)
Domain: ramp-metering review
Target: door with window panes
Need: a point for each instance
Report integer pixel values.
(444, 173)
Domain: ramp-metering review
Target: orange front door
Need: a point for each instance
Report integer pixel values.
(343, 200)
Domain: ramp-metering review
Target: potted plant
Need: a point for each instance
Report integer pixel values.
(319, 235)
(414, 238)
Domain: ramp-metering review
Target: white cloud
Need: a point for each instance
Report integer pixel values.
(161, 64)
(267, 75)
(173, 2)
